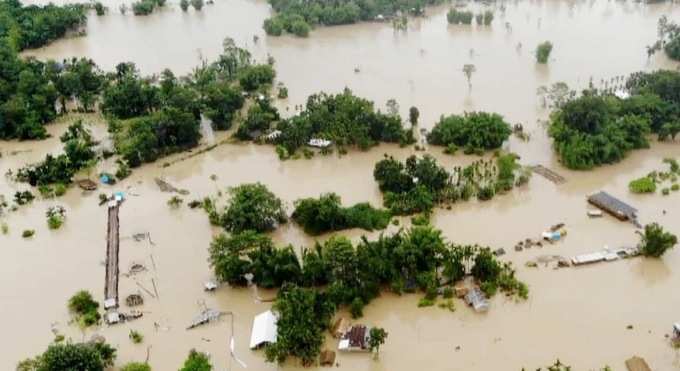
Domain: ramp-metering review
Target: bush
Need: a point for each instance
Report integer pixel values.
(197, 4)
(473, 131)
(85, 308)
(143, 7)
(136, 366)
(252, 78)
(326, 214)
(28, 233)
(196, 361)
(655, 241)
(455, 16)
(543, 52)
(136, 337)
(642, 185)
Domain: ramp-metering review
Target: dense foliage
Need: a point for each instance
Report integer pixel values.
(345, 119)
(343, 274)
(196, 361)
(150, 120)
(303, 316)
(33, 26)
(418, 184)
(474, 131)
(260, 118)
(455, 16)
(78, 154)
(136, 366)
(642, 185)
(669, 39)
(92, 356)
(298, 17)
(326, 214)
(252, 207)
(655, 241)
(596, 129)
(85, 308)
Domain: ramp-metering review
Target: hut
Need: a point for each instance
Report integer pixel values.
(355, 340)
(636, 363)
(264, 329)
(613, 206)
(133, 300)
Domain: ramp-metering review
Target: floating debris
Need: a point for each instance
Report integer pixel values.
(548, 174)
(595, 213)
(210, 286)
(136, 268)
(167, 187)
(87, 184)
(207, 315)
(134, 300)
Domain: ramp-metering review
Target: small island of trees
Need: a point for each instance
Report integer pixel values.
(419, 184)
(475, 132)
(598, 128)
(337, 273)
(298, 18)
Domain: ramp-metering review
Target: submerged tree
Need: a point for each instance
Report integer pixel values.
(468, 70)
(543, 52)
(655, 241)
(196, 361)
(376, 338)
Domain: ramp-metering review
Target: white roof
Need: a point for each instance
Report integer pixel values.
(112, 317)
(317, 142)
(264, 329)
(343, 344)
(676, 326)
(588, 258)
(110, 303)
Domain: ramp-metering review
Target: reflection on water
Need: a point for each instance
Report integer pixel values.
(571, 312)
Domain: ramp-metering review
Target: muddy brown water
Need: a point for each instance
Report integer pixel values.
(579, 315)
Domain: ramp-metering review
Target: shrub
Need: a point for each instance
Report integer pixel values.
(27, 233)
(543, 52)
(642, 185)
(136, 337)
(136, 366)
(655, 241)
(85, 308)
(326, 214)
(196, 361)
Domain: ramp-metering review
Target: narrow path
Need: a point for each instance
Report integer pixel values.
(111, 285)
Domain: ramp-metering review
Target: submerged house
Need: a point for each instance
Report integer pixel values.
(355, 339)
(613, 206)
(477, 300)
(264, 329)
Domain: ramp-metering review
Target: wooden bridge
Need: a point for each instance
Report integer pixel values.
(112, 245)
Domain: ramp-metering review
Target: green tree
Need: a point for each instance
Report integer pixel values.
(196, 361)
(655, 241)
(543, 52)
(413, 115)
(253, 207)
(376, 338)
(474, 131)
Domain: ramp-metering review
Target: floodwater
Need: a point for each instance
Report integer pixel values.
(579, 315)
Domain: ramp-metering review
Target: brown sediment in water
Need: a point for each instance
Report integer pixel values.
(576, 314)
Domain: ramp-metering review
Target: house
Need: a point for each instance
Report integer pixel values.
(264, 329)
(613, 206)
(355, 339)
(319, 143)
(477, 300)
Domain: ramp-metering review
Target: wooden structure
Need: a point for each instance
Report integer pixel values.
(327, 358)
(112, 247)
(636, 363)
(613, 206)
(548, 174)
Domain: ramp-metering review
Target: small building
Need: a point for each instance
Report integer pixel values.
(590, 258)
(676, 331)
(110, 303)
(636, 363)
(613, 206)
(355, 339)
(112, 318)
(477, 300)
(319, 143)
(264, 330)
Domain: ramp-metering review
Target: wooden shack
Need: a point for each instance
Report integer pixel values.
(613, 206)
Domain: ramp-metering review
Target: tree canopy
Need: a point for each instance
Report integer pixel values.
(33, 26)
(473, 131)
(196, 361)
(655, 241)
(345, 119)
(252, 207)
(91, 356)
(326, 214)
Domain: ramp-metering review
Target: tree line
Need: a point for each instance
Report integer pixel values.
(298, 17)
(599, 127)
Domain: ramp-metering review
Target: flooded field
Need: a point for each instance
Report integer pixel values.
(579, 315)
